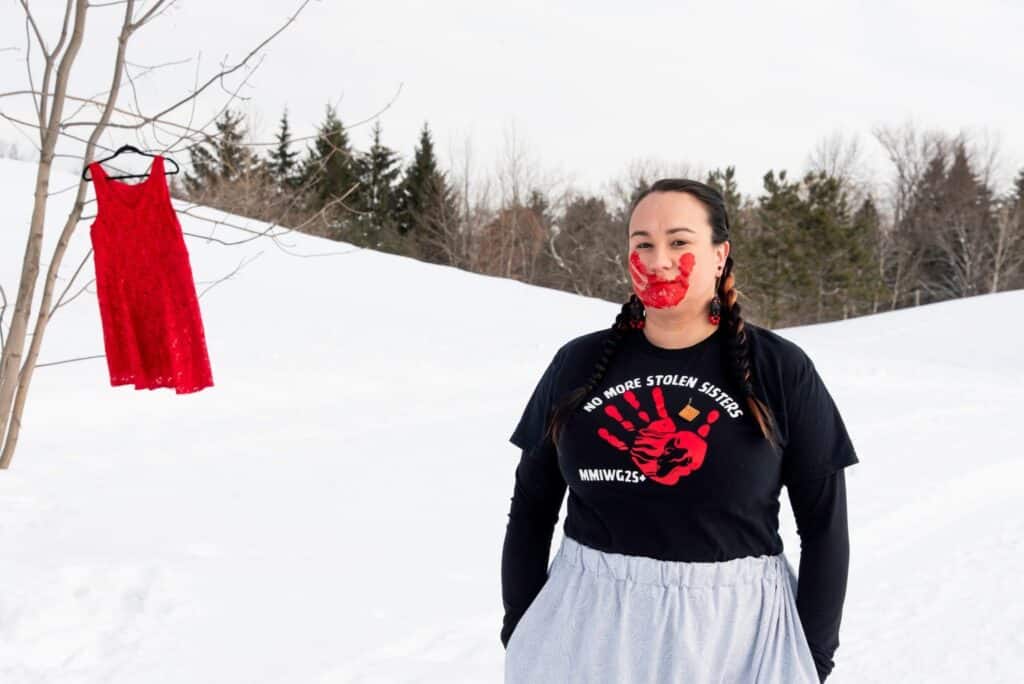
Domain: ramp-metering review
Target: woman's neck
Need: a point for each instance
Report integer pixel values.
(675, 334)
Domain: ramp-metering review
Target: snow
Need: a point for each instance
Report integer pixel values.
(333, 509)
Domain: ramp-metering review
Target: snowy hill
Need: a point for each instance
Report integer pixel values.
(333, 509)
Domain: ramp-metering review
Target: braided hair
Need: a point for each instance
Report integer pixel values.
(735, 350)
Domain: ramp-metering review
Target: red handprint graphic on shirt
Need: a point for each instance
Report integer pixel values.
(660, 449)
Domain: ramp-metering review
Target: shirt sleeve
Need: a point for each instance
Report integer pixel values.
(817, 442)
(536, 501)
(533, 422)
(819, 507)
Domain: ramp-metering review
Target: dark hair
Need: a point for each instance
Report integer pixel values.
(735, 351)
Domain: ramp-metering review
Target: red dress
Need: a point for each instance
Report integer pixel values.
(152, 329)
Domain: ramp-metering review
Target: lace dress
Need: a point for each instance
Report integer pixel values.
(152, 329)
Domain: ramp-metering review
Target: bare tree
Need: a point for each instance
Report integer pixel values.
(589, 246)
(643, 171)
(513, 242)
(909, 151)
(950, 237)
(986, 154)
(842, 157)
(1007, 244)
(474, 190)
(439, 233)
(56, 126)
(960, 228)
(513, 235)
(473, 193)
(1003, 242)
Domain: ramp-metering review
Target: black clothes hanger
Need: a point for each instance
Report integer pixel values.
(130, 148)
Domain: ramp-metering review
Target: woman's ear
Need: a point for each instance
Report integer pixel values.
(724, 249)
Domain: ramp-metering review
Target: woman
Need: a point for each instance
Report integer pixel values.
(675, 430)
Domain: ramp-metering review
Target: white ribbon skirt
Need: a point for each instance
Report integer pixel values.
(609, 617)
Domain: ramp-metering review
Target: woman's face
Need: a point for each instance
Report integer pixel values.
(672, 262)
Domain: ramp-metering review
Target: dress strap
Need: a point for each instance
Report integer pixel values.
(160, 181)
(99, 184)
(97, 173)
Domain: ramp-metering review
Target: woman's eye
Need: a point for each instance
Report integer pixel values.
(674, 242)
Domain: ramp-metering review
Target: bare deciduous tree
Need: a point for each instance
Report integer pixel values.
(950, 236)
(57, 128)
(644, 171)
(512, 243)
(1007, 244)
(473, 192)
(909, 151)
(841, 156)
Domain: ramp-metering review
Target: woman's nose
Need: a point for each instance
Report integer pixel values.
(663, 261)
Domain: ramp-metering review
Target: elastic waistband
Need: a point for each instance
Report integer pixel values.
(646, 570)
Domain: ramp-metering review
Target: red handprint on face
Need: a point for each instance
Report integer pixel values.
(661, 450)
(655, 291)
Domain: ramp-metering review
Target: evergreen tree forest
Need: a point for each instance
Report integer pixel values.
(808, 248)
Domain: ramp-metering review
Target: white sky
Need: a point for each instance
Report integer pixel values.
(590, 86)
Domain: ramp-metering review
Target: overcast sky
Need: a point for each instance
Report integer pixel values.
(587, 87)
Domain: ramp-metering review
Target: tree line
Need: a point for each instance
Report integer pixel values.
(333, 190)
(823, 246)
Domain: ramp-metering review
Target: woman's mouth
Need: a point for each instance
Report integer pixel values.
(657, 293)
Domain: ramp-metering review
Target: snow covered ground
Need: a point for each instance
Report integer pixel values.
(333, 509)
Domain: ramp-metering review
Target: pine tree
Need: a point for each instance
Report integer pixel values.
(774, 258)
(725, 183)
(378, 170)
(222, 158)
(741, 232)
(811, 258)
(832, 255)
(949, 214)
(282, 162)
(540, 206)
(1010, 243)
(969, 222)
(204, 168)
(1018, 187)
(588, 239)
(867, 293)
(412, 191)
(428, 207)
(329, 170)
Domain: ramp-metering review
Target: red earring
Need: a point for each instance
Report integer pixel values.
(716, 307)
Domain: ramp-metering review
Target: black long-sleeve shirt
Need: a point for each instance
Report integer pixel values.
(662, 461)
(819, 507)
